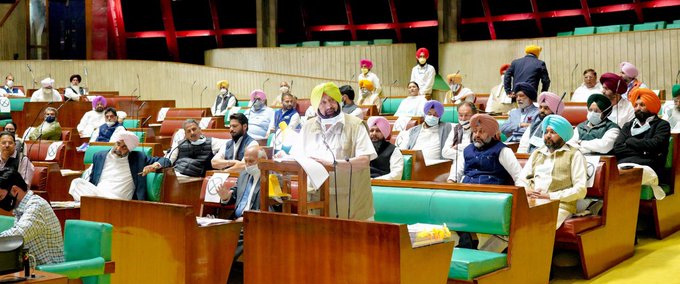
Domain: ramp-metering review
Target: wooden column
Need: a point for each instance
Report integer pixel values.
(266, 22)
(448, 14)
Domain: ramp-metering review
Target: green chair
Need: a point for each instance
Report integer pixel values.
(673, 26)
(140, 134)
(408, 166)
(645, 27)
(568, 33)
(87, 248)
(608, 29)
(646, 192)
(391, 105)
(131, 123)
(289, 45)
(334, 43)
(625, 27)
(242, 103)
(358, 42)
(584, 31)
(314, 43)
(450, 114)
(382, 41)
(6, 222)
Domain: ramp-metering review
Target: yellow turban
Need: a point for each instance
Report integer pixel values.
(454, 78)
(223, 84)
(330, 89)
(368, 84)
(533, 49)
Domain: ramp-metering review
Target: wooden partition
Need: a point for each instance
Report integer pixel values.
(13, 32)
(161, 243)
(284, 248)
(422, 172)
(69, 114)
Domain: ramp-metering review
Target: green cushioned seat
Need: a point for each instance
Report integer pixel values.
(358, 42)
(673, 26)
(408, 165)
(17, 104)
(334, 43)
(676, 22)
(154, 184)
(6, 222)
(390, 105)
(569, 33)
(608, 29)
(140, 134)
(402, 205)
(131, 123)
(314, 43)
(4, 122)
(584, 31)
(289, 45)
(468, 264)
(89, 153)
(625, 27)
(450, 114)
(242, 103)
(645, 27)
(660, 25)
(382, 41)
(646, 192)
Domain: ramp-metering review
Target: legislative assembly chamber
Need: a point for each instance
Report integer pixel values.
(339, 141)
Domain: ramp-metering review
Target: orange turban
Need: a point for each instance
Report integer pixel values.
(487, 123)
(647, 96)
(454, 78)
(364, 83)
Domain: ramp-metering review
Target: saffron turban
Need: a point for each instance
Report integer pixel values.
(364, 83)
(382, 124)
(438, 107)
(130, 139)
(676, 91)
(558, 124)
(47, 82)
(366, 62)
(600, 100)
(629, 69)
(614, 82)
(423, 51)
(223, 84)
(553, 101)
(454, 78)
(648, 97)
(97, 100)
(504, 67)
(330, 89)
(258, 94)
(487, 123)
(533, 49)
(527, 89)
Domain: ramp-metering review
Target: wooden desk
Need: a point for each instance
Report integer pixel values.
(149, 109)
(69, 114)
(40, 277)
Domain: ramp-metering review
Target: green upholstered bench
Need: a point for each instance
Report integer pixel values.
(408, 165)
(131, 123)
(450, 114)
(608, 29)
(382, 41)
(460, 211)
(569, 33)
(391, 105)
(15, 104)
(242, 103)
(584, 31)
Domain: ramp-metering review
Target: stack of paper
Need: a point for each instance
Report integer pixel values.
(205, 221)
(427, 234)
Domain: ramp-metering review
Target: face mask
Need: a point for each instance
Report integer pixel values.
(50, 119)
(364, 71)
(223, 91)
(465, 124)
(253, 170)
(110, 123)
(455, 87)
(422, 61)
(594, 117)
(10, 83)
(365, 92)
(257, 105)
(8, 202)
(284, 90)
(200, 141)
(431, 120)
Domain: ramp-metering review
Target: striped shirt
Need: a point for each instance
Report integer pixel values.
(36, 222)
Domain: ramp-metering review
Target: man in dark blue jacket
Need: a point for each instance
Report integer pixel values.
(528, 69)
(119, 173)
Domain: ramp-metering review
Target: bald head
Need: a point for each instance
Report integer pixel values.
(252, 154)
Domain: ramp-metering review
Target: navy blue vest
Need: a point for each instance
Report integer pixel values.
(482, 165)
(106, 131)
(229, 150)
(279, 116)
(11, 90)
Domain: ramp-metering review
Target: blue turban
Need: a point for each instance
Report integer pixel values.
(438, 107)
(560, 125)
(527, 89)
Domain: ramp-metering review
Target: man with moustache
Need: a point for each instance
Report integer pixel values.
(590, 86)
(389, 164)
(93, 118)
(548, 103)
(231, 155)
(520, 118)
(192, 156)
(613, 86)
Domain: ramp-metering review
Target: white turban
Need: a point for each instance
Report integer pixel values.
(47, 82)
(130, 139)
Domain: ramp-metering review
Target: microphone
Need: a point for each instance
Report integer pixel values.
(137, 113)
(352, 78)
(32, 76)
(265, 81)
(169, 155)
(145, 120)
(133, 92)
(64, 103)
(200, 97)
(349, 198)
(192, 88)
(29, 68)
(132, 104)
(291, 84)
(390, 94)
(85, 73)
(335, 173)
(572, 73)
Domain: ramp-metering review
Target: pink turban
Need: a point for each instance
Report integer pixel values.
(553, 101)
(487, 123)
(97, 100)
(382, 124)
(366, 62)
(130, 139)
(258, 94)
(629, 69)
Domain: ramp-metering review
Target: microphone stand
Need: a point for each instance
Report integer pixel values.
(349, 198)
(335, 173)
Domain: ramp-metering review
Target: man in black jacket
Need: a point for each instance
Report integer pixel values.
(528, 69)
(389, 164)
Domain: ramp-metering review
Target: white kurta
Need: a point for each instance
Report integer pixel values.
(258, 121)
(465, 94)
(506, 157)
(448, 151)
(70, 94)
(90, 121)
(428, 142)
(622, 112)
(396, 166)
(115, 181)
(40, 96)
(411, 106)
(498, 100)
(582, 93)
(19, 92)
(424, 77)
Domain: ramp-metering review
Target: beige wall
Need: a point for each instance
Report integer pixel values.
(391, 62)
(13, 32)
(655, 53)
(160, 80)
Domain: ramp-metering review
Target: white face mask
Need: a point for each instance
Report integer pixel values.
(594, 117)
(455, 87)
(284, 89)
(431, 120)
(10, 83)
(200, 141)
(257, 105)
(253, 170)
(110, 123)
(465, 124)
(223, 91)
(422, 60)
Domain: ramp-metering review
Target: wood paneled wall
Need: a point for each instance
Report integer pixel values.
(162, 80)
(390, 62)
(655, 53)
(13, 32)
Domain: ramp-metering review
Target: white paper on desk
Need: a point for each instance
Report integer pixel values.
(400, 123)
(204, 221)
(430, 162)
(316, 173)
(205, 121)
(591, 168)
(214, 183)
(162, 112)
(5, 105)
(52, 150)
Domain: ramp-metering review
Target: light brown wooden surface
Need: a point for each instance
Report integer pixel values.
(422, 172)
(13, 33)
(161, 243)
(41, 277)
(187, 192)
(284, 248)
(69, 115)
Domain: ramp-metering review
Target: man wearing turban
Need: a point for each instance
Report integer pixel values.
(556, 170)
(499, 102)
(47, 93)
(644, 140)
(457, 92)
(612, 87)
(119, 173)
(430, 136)
(366, 66)
(74, 92)
(224, 100)
(423, 73)
(389, 164)
(93, 118)
(590, 86)
(597, 134)
(671, 112)
(528, 69)
(520, 118)
(259, 115)
(339, 141)
(548, 103)
(629, 74)
(368, 94)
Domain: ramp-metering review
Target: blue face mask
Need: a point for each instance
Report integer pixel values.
(50, 119)
(431, 120)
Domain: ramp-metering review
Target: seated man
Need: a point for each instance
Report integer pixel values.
(520, 118)
(119, 173)
(413, 104)
(287, 113)
(644, 140)
(612, 87)
(224, 100)
(192, 156)
(461, 133)
(8, 90)
(590, 86)
(231, 155)
(389, 164)
(110, 128)
(11, 158)
(50, 129)
(368, 94)
(428, 137)
(457, 93)
(47, 93)
(487, 160)
(672, 113)
(93, 118)
(629, 74)
(499, 101)
(548, 103)
(284, 88)
(74, 92)
(259, 115)
(556, 170)
(34, 219)
(597, 134)
(348, 102)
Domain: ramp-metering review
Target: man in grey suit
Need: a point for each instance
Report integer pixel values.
(246, 194)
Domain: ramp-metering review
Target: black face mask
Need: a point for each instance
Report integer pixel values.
(9, 202)
(642, 116)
